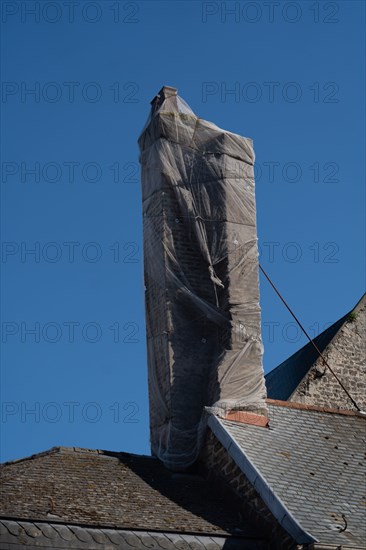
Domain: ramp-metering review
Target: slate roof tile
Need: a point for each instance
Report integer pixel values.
(315, 463)
(116, 490)
(15, 535)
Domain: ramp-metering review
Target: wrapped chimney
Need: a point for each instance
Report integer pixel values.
(201, 276)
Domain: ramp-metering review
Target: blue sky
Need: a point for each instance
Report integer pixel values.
(288, 75)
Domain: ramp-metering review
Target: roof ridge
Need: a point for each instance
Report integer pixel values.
(80, 450)
(304, 407)
(32, 457)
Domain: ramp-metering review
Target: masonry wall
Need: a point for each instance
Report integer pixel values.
(346, 354)
(223, 471)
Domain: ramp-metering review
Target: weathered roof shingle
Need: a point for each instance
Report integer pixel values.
(114, 490)
(314, 463)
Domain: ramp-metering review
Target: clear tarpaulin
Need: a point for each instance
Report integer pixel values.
(201, 276)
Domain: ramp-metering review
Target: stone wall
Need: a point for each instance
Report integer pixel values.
(346, 355)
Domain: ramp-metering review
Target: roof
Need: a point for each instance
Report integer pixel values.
(308, 467)
(19, 534)
(110, 490)
(282, 381)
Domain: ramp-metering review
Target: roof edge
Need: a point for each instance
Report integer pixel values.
(79, 450)
(33, 456)
(274, 503)
(87, 526)
(303, 407)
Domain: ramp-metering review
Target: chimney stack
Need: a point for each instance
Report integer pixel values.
(201, 277)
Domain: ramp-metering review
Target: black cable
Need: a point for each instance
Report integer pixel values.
(310, 339)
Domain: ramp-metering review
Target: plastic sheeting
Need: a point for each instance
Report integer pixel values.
(201, 277)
